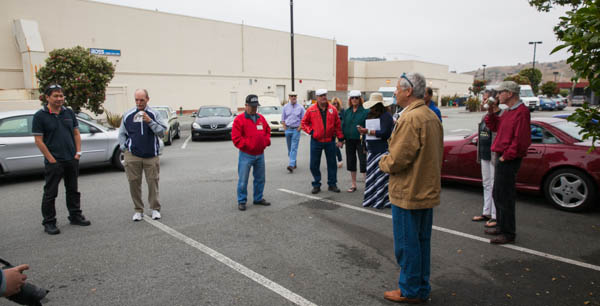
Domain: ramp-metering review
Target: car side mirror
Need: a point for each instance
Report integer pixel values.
(474, 140)
(194, 114)
(94, 130)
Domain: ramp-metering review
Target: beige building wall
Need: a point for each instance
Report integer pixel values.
(182, 61)
(369, 76)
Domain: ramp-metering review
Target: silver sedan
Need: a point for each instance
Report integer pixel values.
(19, 154)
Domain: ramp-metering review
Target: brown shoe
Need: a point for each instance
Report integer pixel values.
(492, 231)
(502, 239)
(396, 296)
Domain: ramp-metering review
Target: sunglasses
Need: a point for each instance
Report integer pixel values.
(322, 95)
(52, 87)
(403, 76)
(358, 98)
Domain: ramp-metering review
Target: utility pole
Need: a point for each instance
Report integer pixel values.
(555, 75)
(534, 43)
(292, 38)
(484, 72)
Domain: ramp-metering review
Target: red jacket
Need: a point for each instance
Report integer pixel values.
(251, 138)
(513, 132)
(312, 122)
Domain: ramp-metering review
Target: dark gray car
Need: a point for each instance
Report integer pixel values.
(19, 154)
(212, 122)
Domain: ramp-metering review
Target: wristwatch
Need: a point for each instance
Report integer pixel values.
(78, 153)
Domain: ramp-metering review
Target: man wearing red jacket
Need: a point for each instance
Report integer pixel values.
(322, 123)
(513, 137)
(251, 135)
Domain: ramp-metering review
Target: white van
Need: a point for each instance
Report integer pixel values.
(388, 94)
(526, 95)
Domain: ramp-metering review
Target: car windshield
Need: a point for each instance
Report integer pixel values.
(270, 110)
(569, 127)
(163, 113)
(527, 93)
(214, 112)
(387, 94)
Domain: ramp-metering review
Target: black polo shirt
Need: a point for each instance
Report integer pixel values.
(58, 132)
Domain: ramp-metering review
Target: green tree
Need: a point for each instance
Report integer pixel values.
(579, 32)
(534, 77)
(519, 79)
(549, 89)
(478, 86)
(563, 92)
(84, 77)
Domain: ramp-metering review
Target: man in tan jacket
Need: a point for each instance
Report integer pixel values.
(414, 164)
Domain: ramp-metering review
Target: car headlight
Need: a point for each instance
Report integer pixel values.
(230, 125)
(195, 125)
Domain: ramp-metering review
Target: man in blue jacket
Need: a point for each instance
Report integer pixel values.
(430, 103)
(139, 137)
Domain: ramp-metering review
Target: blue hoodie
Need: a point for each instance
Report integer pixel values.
(140, 138)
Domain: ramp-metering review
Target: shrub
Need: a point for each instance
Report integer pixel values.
(114, 119)
(445, 100)
(473, 104)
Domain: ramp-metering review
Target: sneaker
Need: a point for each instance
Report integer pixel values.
(315, 190)
(137, 216)
(79, 220)
(51, 229)
(290, 169)
(333, 189)
(262, 202)
(242, 206)
(155, 215)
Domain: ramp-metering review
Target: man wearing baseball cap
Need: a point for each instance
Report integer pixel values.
(513, 137)
(251, 135)
(322, 123)
(291, 117)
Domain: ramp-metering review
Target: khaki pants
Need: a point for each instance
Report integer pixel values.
(133, 168)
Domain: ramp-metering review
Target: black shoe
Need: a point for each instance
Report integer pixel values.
(79, 220)
(290, 169)
(333, 189)
(262, 202)
(316, 190)
(242, 206)
(51, 229)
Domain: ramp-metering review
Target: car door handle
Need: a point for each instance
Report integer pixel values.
(533, 151)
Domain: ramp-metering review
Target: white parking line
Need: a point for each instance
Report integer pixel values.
(289, 295)
(186, 142)
(453, 232)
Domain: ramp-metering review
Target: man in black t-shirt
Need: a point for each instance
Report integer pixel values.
(56, 134)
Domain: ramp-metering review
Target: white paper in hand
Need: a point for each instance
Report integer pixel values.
(373, 124)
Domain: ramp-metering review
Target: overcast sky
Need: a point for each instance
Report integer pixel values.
(463, 34)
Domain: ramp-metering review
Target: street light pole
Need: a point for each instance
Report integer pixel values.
(555, 75)
(534, 43)
(484, 72)
(292, 38)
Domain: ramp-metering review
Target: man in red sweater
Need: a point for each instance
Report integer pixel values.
(322, 123)
(251, 135)
(513, 137)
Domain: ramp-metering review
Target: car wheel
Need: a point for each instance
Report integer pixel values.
(118, 160)
(169, 139)
(178, 135)
(570, 190)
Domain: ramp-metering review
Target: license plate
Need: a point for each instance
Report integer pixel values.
(281, 129)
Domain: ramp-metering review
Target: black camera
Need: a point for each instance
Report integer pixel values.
(30, 294)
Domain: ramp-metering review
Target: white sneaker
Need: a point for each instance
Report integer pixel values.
(137, 216)
(155, 215)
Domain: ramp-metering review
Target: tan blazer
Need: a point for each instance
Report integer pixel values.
(414, 162)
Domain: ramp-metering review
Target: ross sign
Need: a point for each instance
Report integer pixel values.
(110, 52)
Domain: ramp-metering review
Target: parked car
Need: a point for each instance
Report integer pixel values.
(546, 103)
(212, 122)
(84, 116)
(561, 102)
(170, 117)
(577, 100)
(20, 155)
(557, 164)
(273, 116)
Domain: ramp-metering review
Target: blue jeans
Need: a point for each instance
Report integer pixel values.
(412, 246)
(245, 162)
(292, 138)
(315, 162)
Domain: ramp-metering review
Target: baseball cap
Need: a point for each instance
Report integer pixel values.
(321, 92)
(509, 86)
(354, 93)
(292, 93)
(252, 100)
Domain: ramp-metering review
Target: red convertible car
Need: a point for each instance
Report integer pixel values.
(557, 164)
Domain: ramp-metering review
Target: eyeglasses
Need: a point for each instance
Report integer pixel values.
(403, 76)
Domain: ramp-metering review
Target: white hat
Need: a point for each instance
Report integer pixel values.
(354, 93)
(375, 98)
(321, 92)
(292, 93)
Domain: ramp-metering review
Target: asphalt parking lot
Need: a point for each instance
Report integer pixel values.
(304, 249)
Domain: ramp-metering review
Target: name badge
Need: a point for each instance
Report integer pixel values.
(259, 127)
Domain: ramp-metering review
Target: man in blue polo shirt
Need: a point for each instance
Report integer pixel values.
(56, 134)
(430, 103)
